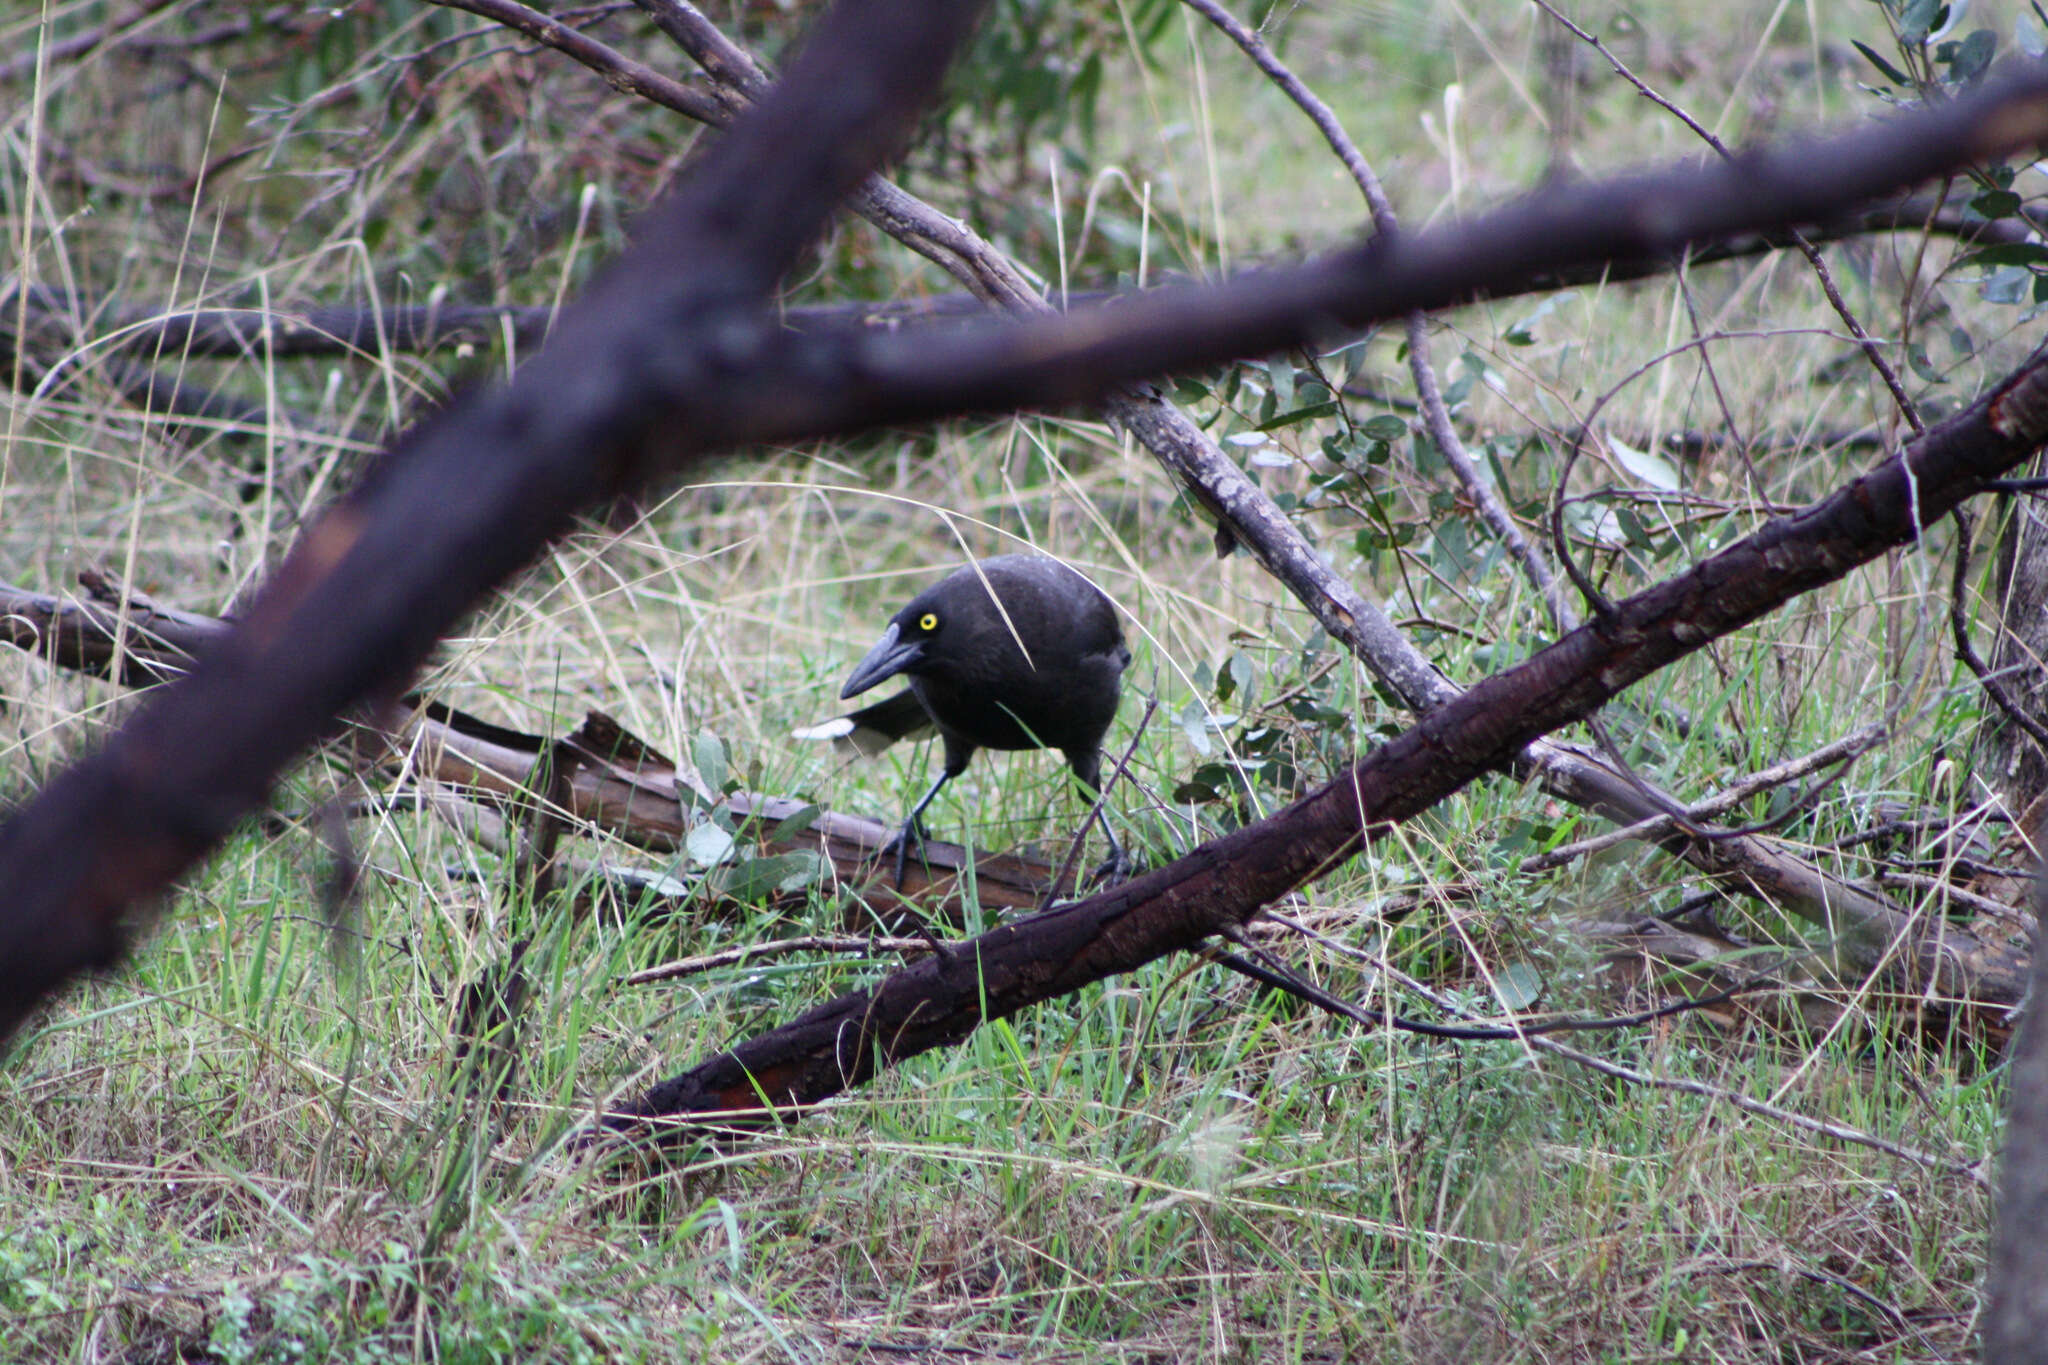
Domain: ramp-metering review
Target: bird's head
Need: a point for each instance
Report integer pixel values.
(906, 646)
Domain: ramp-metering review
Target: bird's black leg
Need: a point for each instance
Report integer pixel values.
(914, 830)
(1088, 777)
(1118, 866)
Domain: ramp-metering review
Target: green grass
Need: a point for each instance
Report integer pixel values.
(257, 1142)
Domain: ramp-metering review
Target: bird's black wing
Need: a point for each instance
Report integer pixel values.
(872, 729)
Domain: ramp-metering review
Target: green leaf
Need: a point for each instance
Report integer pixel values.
(2031, 36)
(708, 845)
(1523, 333)
(1385, 427)
(709, 755)
(1651, 468)
(1916, 358)
(1891, 73)
(1920, 18)
(1996, 204)
(1973, 56)
(2007, 285)
(795, 823)
(1297, 416)
(1280, 372)
(2009, 253)
(1237, 676)
(759, 878)
(1518, 987)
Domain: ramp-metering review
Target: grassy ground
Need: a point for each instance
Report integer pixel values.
(258, 1142)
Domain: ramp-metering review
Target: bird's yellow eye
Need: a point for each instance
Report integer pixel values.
(928, 622)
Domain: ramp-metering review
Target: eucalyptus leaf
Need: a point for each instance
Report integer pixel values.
(2008, 253)
(709, 755)
(1295, 416)
(2030, 35)
(1518, 987)
(795, 823)
(1973, 56)
(2006, 285)
(1920, 18)
(780, 874)
(708, 845)
(1653, 469)
(1891, 73)
(1280, 371)
(1995, 204)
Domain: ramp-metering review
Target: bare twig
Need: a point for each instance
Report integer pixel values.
(78, 44)
(622, 72)
(1959, 629)
(1972, 1171)
(1272, 972)
(870, 946)
(1097, 809)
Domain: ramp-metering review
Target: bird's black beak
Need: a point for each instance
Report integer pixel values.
(890, 656)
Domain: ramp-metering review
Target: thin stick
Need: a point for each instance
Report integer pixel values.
(781, 947)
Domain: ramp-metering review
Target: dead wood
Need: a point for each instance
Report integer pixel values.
(126, 639)
(938, 1002)
(52, 325)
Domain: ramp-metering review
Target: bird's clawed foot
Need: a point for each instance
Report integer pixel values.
(899, 843)
(1119, 866)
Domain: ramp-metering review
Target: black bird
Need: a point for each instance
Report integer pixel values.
(1015, 652)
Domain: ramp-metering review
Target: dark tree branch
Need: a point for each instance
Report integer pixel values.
(1647, 218)
(370, 332)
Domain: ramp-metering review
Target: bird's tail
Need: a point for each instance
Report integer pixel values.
(872, 729)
